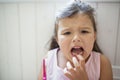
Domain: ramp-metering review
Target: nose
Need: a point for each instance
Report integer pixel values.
(76, 38)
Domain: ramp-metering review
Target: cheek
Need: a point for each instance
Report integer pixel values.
(89, 43)
(62, 41)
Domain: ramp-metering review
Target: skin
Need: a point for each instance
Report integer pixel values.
(106, 69)
(78, 31)
(75, 31)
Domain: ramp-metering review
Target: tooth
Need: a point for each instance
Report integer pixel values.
(77, 47)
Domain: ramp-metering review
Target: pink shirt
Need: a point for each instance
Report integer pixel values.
(54, 72)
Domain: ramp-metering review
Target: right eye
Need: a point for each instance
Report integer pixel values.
(66, 33)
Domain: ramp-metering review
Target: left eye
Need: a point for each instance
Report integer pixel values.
(84, 31)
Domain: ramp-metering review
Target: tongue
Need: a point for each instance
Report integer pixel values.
(76, 51)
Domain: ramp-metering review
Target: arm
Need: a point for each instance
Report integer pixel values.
(106, 69)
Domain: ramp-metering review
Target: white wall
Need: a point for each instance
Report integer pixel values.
(27, 25)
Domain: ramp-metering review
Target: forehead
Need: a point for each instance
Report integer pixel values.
(76, 20)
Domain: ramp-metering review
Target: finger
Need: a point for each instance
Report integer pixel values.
(65, 70)
(70, 69)
(75, 62)
(69, 76)
(69, 66)
(81, 61)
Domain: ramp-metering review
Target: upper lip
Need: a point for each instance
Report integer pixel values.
(77, 46)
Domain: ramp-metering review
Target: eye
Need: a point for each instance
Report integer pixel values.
(66, 33)
(84, 32)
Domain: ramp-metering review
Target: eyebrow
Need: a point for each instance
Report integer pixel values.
(86, 28)
(66, 29)
(82, 28)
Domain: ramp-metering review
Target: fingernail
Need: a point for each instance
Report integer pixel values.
(80, 57)
(69, 66)
(65, 70)
(75, 61)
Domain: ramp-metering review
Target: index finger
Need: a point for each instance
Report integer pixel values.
(81, 60)
(75, 62)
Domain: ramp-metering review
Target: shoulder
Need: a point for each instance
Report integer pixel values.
(50, 52)
(106, 68)
(104, 61)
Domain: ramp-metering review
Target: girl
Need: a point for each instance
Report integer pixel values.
(74, 53)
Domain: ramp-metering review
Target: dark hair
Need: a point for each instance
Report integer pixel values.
(70, 10)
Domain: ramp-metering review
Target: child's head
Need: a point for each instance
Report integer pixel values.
(75, 27)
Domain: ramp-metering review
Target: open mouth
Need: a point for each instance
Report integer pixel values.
(77, 51)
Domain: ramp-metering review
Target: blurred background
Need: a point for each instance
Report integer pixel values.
(27, 25)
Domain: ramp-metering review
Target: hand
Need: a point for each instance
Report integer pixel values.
(77, 72)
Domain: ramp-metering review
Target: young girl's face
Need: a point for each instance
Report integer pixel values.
(75, 36)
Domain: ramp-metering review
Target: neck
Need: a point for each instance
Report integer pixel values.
(61, 60)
